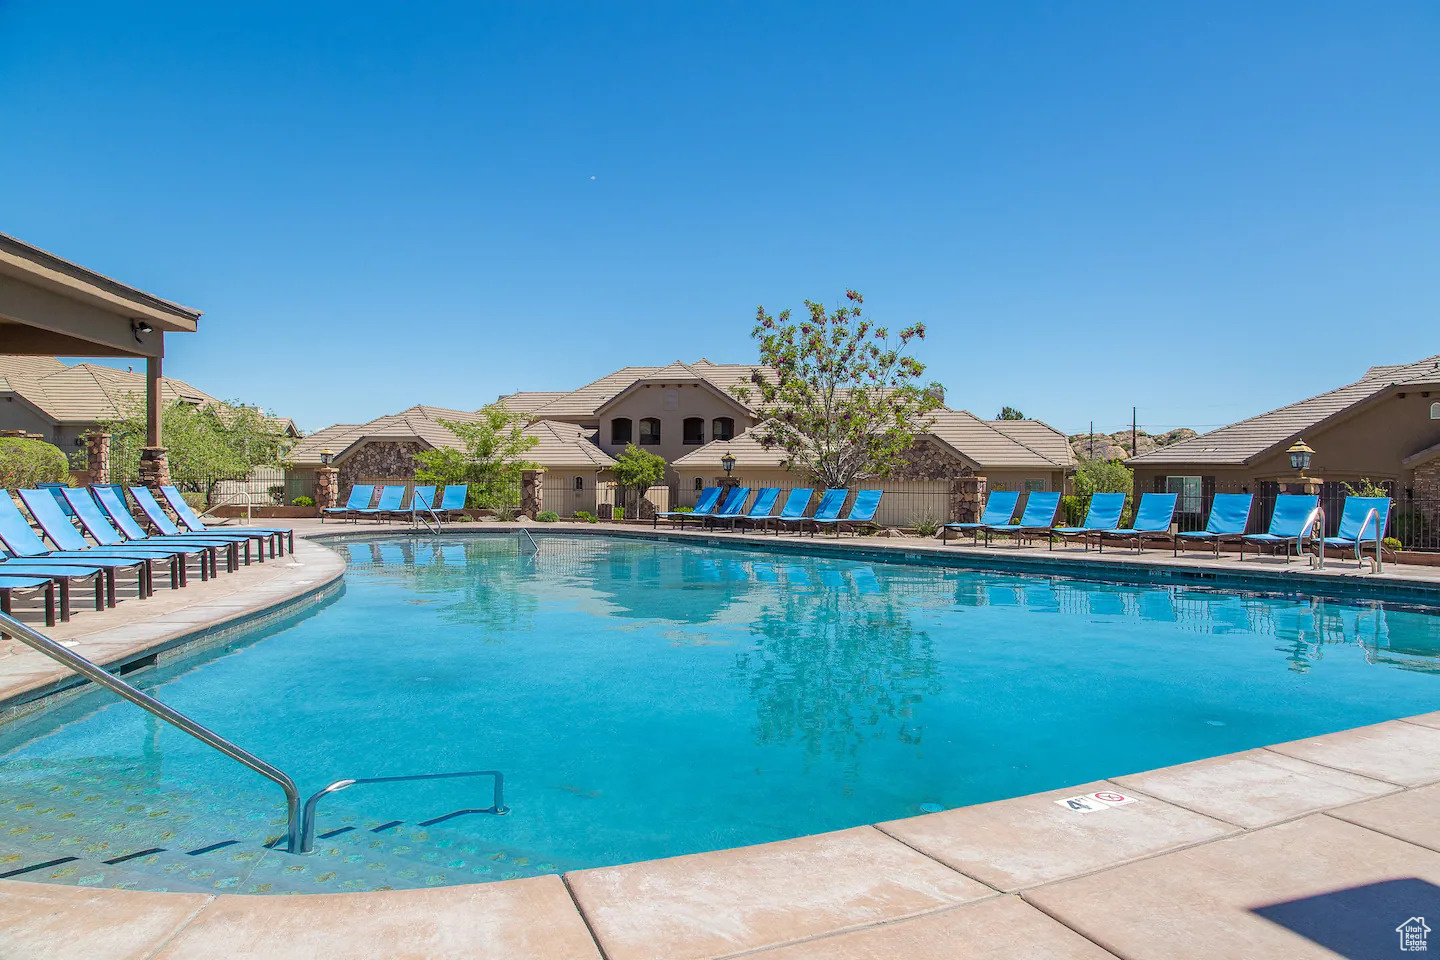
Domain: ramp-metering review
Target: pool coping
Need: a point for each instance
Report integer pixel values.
(808, 890)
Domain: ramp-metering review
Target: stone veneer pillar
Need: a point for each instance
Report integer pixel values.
(154, 467)
(97, 457)
(327, 487)
(967, 498)
(532, 492)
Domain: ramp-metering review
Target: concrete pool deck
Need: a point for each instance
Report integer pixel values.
(1316, 848)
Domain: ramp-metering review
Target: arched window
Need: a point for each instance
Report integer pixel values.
(1435, 410)
(699, 484)
(579, 483)
(723, 428)
(620, 431)
(649, 432)
(694, 431)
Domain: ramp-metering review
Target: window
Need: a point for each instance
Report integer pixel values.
(620, 431)
(1187, 491)
(1435, 410)
(723, 429)
(649, 432)
(694, 431)
(699, 484)
(579, 483)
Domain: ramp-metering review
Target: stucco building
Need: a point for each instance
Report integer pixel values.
(1384, 427)
(687, 414)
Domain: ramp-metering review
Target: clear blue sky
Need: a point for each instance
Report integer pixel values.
(1206, 209)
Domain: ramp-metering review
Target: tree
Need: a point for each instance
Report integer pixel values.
(638, 470)
(1009, 413)
(836, 393)
(205, 444)
(490, 458)
(1102, 476)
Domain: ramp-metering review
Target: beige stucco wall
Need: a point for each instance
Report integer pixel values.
(19, 415)
(670, 404)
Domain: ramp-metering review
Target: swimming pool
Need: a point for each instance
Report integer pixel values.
(646, 699)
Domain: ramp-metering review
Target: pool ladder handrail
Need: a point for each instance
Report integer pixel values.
(307, 837)
(92, 671)
(417, 520)
(533, 545)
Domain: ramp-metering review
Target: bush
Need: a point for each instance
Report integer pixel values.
(586, 516)
(924, 524)
(24, 463)
(505, 514)
(547, 516)
(277, 493)
(1072, 508)
(619, 514)
(683, 510)
(1391, 544)
(197, 501)
(303, 501)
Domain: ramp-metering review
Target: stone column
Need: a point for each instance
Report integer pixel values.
(327, 487)
(532, 492)
(967, 498)
(97, 457)
(154, 467)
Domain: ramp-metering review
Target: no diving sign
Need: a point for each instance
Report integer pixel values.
(1095, 802)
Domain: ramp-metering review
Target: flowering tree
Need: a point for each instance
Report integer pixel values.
(837, 393)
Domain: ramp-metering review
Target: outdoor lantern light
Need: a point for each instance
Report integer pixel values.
(326, 456)
(728, 462)
(1300, 454)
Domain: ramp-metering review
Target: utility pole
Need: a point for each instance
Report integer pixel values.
(1134, 429)
(1092, 439)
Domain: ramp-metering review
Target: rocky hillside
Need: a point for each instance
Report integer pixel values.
(1116, 446)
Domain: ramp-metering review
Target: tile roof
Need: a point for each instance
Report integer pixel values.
(84, 392)
(1239, 443)
(527, 400)
(585, 401)
(1040, 437)
(744, 448)
(984, 443)
(560, 444)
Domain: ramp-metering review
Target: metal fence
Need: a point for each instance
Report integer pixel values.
(1414, 522)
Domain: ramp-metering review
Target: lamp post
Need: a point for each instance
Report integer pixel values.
(326, 456)
(1300, 454)
(728, 462)
(327, 483)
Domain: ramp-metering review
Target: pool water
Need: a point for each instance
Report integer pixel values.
(646, 699)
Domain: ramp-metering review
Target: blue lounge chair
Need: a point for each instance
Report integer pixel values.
(63, 573)
(831, 502)
(1362, 520)
(999, 509)
(1152, 521)
(763, 506)
(112, 501)
(32, 556)
(93, 519)
(1229, 516)
(453, 500)
(57, 528)
(160, 520)
(360, 496)
(704, 507)
(794, 509)
(1103, 514)
(10, 583)
(1289, 524)
(862, 513)
(193, 523)
(732, 508)
(422, 499)
(1039, 517)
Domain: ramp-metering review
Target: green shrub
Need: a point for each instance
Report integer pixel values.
(683, 510)
(924, 524)
(303, 501)
(24, 463)
(1072, 508)
(586, 516)
(547, 516)
(619, 513)
(505, 514)
(197, 501)
(1391, 544)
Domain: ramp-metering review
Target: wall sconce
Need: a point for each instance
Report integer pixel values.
(139, 328)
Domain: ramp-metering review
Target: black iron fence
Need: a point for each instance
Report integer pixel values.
(1414, 522)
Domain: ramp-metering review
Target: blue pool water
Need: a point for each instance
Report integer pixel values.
(648, 699)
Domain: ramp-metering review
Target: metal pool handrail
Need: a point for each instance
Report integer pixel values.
(307, 840)
(535, 546)
(40, 643)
